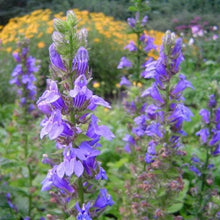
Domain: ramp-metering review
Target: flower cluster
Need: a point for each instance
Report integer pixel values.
(23, 75)
(161, 120)
(167, 112)
(70, 121)
(140, 49)
(205, 190)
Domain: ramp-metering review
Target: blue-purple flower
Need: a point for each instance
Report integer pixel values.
(124, 63)
(68, 105)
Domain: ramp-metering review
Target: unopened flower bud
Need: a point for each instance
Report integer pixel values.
(173, 38)
(178, 217)
(209, 181)
(59, 25)
(168, 41)
(71, 18)
(82, 36)
(159, 213)
(57, 37)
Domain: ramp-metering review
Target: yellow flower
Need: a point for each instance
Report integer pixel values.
(96, 40)
(96, 85)
(139, 84)
(50, 30)
(106, 109)
(41, 44)
(117, 85)
(8, 49)
(40, 35)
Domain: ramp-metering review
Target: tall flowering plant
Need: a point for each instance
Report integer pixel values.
(134, 104)
(156, 137)
(23, 77)
(135, 60)
(167, 114)
(204, 191)
(68, 105)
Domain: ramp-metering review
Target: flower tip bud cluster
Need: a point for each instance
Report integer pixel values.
(23, 75)
(71, 18)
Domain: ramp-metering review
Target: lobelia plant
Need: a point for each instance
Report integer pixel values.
(159, 186)
(23, 76)
(164, 181)
(138, 50)
(204, 193)
(68, 106)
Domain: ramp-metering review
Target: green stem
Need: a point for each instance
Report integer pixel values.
(72, 118)
(138, 55)
(71, 52)
(167, 110)
(204, 174)
(80, 191)
(29, 175)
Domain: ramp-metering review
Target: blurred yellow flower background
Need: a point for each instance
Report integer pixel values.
(39, 25)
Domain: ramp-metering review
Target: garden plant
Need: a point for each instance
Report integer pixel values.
(108, 119)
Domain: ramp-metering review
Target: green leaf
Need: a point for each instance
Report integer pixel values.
(175, 207)
(5, 163)
(180, 199)
(119, 163)
(80, 138)
(71, 204)
(132, 8)
(70, 218)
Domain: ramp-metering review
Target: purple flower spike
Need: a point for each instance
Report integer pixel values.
(216, 151)
(51, 99)
(94, 130)
(131, 22)
(124, 63)
(151, 148)
(124, 82)
(101, 175)
(150, 70)
(54, 126)
(195, 170)
(80, 93)
(55, 58)
(128, 138)
(154, 130)
(80, 62)
(149, 158)
(16, 57)
(181, 85)
(149, 44)
(154, 93)
(217, 115)
(215, 138)
(195, 159)
(181, 112)
(11, 205)
(96, 100)
(144, 20)
(83, 212)
(52, 179)
(131, 46)
(205, 115)
(177, 48)
(103, 200)
(204, 134)
(70, 165)
(212, 101)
